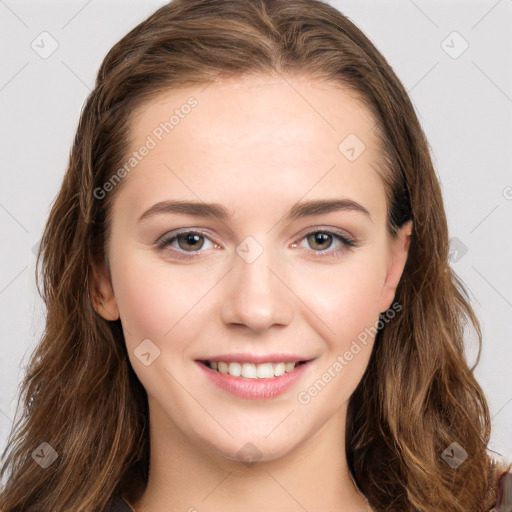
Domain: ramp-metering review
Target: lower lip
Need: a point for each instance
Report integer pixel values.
(254, 388)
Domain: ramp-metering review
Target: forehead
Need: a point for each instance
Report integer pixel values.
(253, 110)
(257, 134)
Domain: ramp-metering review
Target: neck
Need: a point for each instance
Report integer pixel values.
(188, 476)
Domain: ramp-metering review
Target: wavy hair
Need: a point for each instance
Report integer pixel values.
(80, 394)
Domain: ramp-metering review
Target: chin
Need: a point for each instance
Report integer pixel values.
(249, 450)
(248, 454)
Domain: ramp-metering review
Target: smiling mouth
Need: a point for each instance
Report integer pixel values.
(252, 370)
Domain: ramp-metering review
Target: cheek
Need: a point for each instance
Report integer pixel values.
(349, 307)
(156, 300)
(347, 297)
(163, 302)
(142, 305)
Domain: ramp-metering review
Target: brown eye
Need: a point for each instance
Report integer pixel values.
(324, 243)
(192, 241)
(320, 240)
(185, 243)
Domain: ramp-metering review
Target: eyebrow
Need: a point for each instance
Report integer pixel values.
(215, 210)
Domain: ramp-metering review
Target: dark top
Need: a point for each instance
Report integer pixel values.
(503, 502)
(118, 504)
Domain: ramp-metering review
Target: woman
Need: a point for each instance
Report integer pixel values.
(268, 316)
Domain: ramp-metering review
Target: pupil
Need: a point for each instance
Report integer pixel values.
(191, 239)
(322, 238)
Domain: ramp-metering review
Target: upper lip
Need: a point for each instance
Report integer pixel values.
(255, 358)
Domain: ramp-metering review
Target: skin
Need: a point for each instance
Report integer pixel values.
(257, 147)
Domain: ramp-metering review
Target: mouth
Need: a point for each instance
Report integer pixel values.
(247, 370)
(254, 380)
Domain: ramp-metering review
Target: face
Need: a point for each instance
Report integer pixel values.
(293, 263)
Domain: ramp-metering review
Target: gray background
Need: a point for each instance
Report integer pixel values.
(463, 97)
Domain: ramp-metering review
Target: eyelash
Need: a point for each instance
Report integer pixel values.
(348, 242)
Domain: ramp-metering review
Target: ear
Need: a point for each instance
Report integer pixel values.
(399, 249)
(102, 293)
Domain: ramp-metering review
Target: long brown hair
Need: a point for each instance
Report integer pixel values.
(80, 394)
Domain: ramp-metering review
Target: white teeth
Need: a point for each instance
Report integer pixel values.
(265, 371)
(253, 371)
(279, 369)
(235, 369)
(249, 371)
(289, 366)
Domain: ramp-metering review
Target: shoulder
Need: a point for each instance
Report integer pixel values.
(117, 504)
(504, 493)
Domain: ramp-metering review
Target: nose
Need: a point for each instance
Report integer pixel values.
(258, 295)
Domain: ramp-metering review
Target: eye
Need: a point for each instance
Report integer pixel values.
(185, 242)
(321, 240)
(189, 244)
